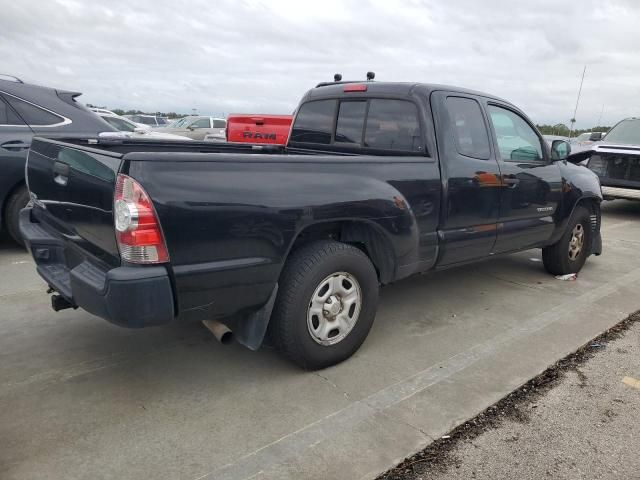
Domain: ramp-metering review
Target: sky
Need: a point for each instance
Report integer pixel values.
(259, 56)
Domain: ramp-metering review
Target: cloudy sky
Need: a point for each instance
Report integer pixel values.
(262, 55)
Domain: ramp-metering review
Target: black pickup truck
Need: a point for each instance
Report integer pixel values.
(379, 181)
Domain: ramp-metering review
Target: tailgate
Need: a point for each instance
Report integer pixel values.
(269, 129)
(72, 188)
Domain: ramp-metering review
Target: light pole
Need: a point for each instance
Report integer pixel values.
(573, 119)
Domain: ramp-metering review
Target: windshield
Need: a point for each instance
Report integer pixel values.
(180, 123)
(626, 132)
(583, 137)
(147, 120)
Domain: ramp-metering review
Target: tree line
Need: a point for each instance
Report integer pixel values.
(120, 111)
(562, 130)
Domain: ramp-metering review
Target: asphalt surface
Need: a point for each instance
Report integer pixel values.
(584, 428)
(80, 398)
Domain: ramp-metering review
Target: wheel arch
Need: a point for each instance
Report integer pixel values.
(4, 201)
(364, 234)
(592, 203)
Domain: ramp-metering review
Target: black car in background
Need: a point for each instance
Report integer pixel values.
(27, 110)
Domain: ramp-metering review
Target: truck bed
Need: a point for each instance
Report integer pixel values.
(230, 213)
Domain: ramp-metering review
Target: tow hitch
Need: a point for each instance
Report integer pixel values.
(58, 302)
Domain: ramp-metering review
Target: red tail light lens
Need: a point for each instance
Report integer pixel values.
(138, 231)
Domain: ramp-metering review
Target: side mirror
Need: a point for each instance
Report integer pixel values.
(560, 150)
(595, 137)
(140, 130)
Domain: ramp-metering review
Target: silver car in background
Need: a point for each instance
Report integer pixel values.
(200, 127)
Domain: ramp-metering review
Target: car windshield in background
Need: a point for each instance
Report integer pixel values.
(161, 121)
(181, 123)
(583, 137)
(626, 132)
(147, 120)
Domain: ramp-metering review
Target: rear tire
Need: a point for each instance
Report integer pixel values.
(569, 254)
(17, 201)
(326, 304)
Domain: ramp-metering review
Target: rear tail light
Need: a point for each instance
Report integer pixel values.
(138, 232)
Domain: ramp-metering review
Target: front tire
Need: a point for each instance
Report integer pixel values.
(569, 254)
(17, 201)
(326, 304)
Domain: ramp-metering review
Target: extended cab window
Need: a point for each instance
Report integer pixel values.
(469, 129)
(517, 141)
(350, 122)
(393, 125)
(314, 122)
(7, 115)
(32, 114)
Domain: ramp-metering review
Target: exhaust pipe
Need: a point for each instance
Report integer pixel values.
(222, 333)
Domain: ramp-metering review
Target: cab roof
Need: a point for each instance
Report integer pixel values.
(334, 89)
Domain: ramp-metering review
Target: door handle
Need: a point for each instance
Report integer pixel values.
(61, 173)
(15, 145)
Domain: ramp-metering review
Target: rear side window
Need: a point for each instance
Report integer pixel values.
(314, 122)
(32, 114)
(393, 125)
(350, 122)
(119, 124)
(7, 115)
(201, 123)
(469, 128)
(219, 124)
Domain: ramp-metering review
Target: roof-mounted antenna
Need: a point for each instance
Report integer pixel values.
(337, 77)
(370, 76)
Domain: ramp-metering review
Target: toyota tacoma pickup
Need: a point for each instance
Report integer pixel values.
(378, 181)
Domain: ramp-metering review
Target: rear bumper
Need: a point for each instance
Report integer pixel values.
(619, 192)
(129, 296)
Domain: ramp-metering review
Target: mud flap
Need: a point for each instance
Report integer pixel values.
(250, 330)
(596, 244)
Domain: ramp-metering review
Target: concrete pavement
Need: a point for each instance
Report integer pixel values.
(586, 427)
(80, 398)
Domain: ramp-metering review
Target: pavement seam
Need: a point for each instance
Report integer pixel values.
(345, 393)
